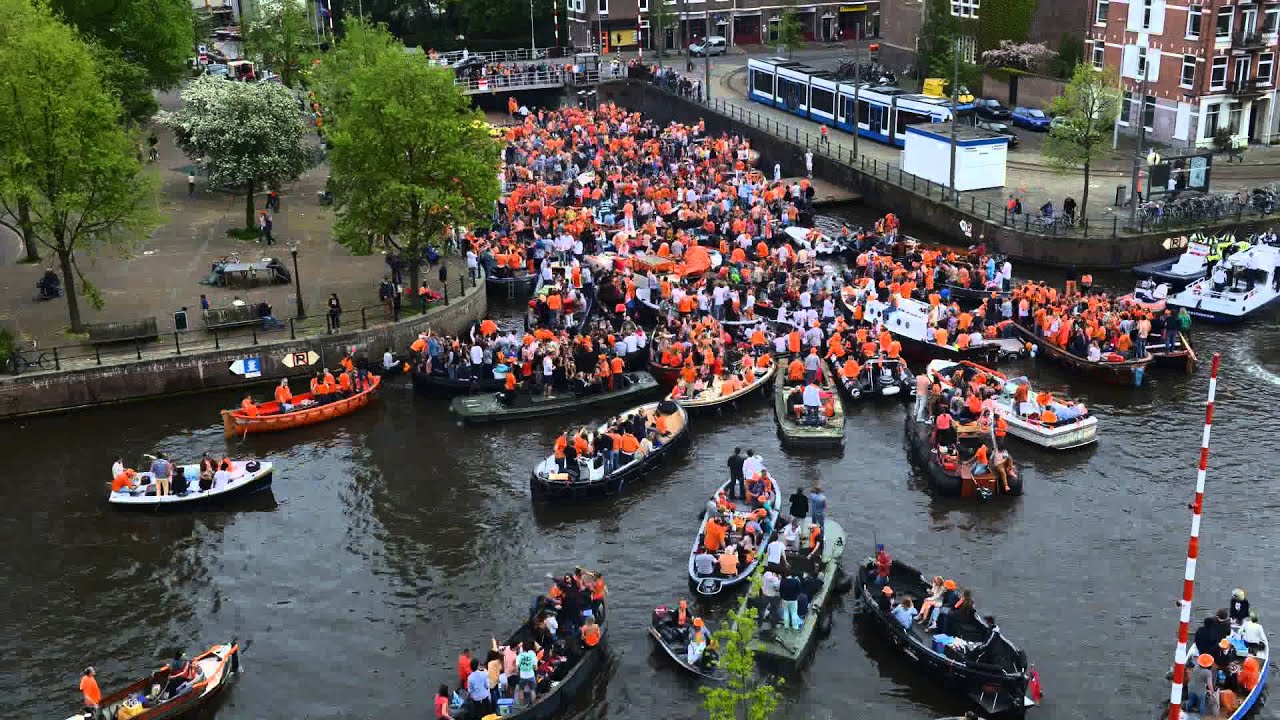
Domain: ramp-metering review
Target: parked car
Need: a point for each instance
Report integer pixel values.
(991, 109)
(1057, 121)
(999, 127)
(713, 45)
(1031, 118)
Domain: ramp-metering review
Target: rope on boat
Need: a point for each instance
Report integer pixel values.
(1193, 552)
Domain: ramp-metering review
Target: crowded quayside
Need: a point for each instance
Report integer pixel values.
(654, 287)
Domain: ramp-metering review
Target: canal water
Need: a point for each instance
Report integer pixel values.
(394, 538)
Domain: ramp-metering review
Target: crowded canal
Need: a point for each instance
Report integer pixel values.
(396, 537)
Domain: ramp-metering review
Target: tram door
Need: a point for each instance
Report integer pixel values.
(877, 119)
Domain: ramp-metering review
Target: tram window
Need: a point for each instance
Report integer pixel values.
(762, 82)
(906, 117)
(864, 112)
(822, 101)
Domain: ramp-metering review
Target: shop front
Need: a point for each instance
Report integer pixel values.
(746, 29)
(859, 20)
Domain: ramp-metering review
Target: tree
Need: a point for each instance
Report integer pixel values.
(69, 173)
(145, 45)
(662, 18)
(281, 34)
(1089, 106)
(742, 697)
(790, 32)
(363, 42)
(1029, 57)
(410, 156)
(246, 135)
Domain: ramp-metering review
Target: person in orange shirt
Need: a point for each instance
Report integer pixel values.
(795, 370)
(284, 396)
(89, 691)
(248, 407)
(344, 383)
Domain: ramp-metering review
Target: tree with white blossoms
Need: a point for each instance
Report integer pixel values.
(1028, 57)
(245, 135)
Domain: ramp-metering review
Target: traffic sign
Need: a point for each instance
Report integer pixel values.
(300, 359)
(249, 367)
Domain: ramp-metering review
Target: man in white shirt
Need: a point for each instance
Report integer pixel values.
(473, 265)
(776, 555)
(718, 297)
(812, 404)
(704, 563)
(752, 465)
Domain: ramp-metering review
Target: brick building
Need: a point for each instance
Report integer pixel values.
(626, 24)
(1210, 64)
(903, 20)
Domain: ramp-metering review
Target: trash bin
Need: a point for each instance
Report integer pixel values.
(180, 320)
(1122, 195)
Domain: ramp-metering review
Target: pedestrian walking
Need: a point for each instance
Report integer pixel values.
(204, 302)
(273, 201)
(822, 130)
(262, 225)
(191, 184)
(267, 229)
(335, 312)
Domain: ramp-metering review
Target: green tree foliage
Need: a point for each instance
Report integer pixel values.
(1070, 54)
(410, 155)
(144, 45)
(1089, 107)
(1002, 20)
(247, 135)
(69, 173)
(660, 19)
(790, 32)
(363, 42)
(281, 34)
(743, 696)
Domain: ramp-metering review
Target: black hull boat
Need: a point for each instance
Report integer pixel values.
(674, 641)
(948, 481)
(993, 674)
(493, 408)
(881, 377)
(588, 479)
(440, 384)
(518, 286)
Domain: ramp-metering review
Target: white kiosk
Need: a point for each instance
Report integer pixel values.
(980, 155)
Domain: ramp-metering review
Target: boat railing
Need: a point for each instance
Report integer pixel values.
(180, 339)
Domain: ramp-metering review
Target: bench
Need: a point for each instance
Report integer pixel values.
(231, 316)
(105, 333)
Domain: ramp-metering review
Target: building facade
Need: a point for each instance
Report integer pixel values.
(1209, 64)
(630, 24)
(1048, 23)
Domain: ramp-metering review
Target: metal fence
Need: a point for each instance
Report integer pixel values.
(32, 359)
(531, 79)
(516, 55)
(979, 210)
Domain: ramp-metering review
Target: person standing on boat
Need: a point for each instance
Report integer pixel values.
(478, 691)
(737, 485)
(800, 507)
(161, 474)
(89, 691)
(818, 507)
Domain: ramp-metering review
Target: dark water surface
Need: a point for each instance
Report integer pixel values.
(394, 538)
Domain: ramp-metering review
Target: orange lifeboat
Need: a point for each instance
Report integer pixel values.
(270, 418)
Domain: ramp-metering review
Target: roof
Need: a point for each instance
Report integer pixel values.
(966, 135)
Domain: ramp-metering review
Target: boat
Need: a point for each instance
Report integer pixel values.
(494, 407)
(909, 324)
(271, 418)
(1147, 295)
(1233, 301)
(813, 239)
(247, 477)
(666, 375)
(829, 434)
(586, 477)
(564, 686)
(787, 648)
(438, 383)
(711, 586)
(216, 669)
(1075, 426)
(881, 377)
(1113, 371)
(712, 399)
(996, 675)
(517, 285)
(674, 641)
(1182, 356)
(946, 469)
(1193, 263)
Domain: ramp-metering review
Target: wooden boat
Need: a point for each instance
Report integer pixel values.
(791, 648)
(881, 377)
(1127, 372)
(519, 285)
(493, 408)
(674, 641)
(1067, 433)
(994, 674)
(586, 477)
(711, 399)
(563, 687)
(666, 375)
(215, 670)
(271, 418)
(829, 434)
(948, 473)
(711, 586)
(1183, 355)
(909, 325)
(247, 477)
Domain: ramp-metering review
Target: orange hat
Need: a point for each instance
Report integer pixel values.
(1205, 660)
(949, 584)
(887, 590)
(697, 622)
(1224, 643)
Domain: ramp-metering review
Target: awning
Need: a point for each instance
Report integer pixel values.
(853, 8)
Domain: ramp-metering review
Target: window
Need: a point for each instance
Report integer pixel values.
(1211, 116)
(1271, 20)
(1237, 114)
(1126, 105)
(864, 112)
(907, 117)
(965, 8)
(1225, 16)
(643, 6)
(1218, 74)
(1188, 79)
(602, 6)
(1100, 12)
(823, 101)
(1099, 52)
(1149, 112)
(1142, 62)
(1193, 22)
(762, 82)
(1146, 14)
(1266, 62)
(967, 47)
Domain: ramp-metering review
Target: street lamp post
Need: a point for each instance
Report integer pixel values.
(1137, 156)
(533, 40)
(955, 101)
(706, 56)
(297, 282)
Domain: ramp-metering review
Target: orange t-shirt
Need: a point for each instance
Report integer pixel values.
(89, 687)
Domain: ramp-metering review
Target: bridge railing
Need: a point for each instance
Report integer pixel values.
(518, 54)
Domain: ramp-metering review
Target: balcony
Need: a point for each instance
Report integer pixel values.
(1251, 40)
(1246, 88)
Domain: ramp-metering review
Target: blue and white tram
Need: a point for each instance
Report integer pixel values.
(882, 113)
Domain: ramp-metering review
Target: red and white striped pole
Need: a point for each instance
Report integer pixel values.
(555, 20)
(1193, 552)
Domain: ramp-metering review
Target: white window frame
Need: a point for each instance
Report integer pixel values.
(1148, 9)
(1101, 11)
(1212, 118)
(1195, 12)
(1126, 101)
(1142, 113)
(1269, 60)
(1143, 70)
(1271, 19)
(1227, 12)
(1099, 54)
(1214, 84)
(966, 8)
(1188, 61)
(602, 7)
(967, 46)
(643, 5)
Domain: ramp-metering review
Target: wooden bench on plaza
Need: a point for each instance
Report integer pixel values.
(232, 316)
(120, 331)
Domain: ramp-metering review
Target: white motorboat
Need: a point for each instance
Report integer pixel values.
(1238, 287)
(244, 477)
(813, 239)
(1074, 426)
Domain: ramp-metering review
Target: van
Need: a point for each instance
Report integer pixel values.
(713, 45)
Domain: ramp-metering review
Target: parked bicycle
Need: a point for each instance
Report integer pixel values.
(19, 361)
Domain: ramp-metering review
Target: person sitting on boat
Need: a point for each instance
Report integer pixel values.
(1200, 684)
(1238, 609)
(223, 475)
(591, 632)
(904, 613)
(937, 619)
(284, 396)
(812, 398)
(697, 643)
(1252, 633)
(125, 481)
(931, 602)
(993, 639)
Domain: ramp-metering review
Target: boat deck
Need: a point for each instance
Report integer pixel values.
(488, 408)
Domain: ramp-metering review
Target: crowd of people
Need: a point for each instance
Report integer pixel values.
(1223, 671)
